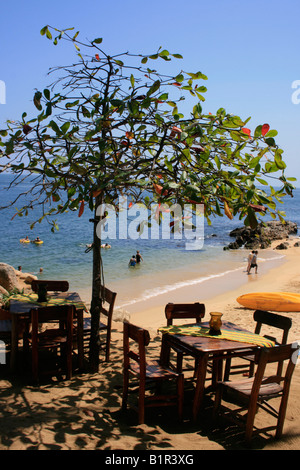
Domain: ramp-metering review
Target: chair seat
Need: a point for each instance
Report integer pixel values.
(154, 370)
(87, 325)
(245, 386)
(51, 338)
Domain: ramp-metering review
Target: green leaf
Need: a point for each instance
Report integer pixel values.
(279, 162)
(163, 97)
(153, 88)
(98, 41)
(270, 141)
(257, 132)
(70, 105)
(65, 127)
(44, 30)
(71, 192)
(54, 127)
(48, 34)
(197, 76)
(179, 78)
(251, 219)
(37, 100)
(132, 80)
(272, 133)
(261, 181)
(47, 94)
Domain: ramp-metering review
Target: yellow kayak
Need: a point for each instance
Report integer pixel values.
(276, 301)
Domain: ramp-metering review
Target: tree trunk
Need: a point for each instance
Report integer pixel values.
(96, 302)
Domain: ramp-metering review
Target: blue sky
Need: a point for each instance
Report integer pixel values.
(249, 51)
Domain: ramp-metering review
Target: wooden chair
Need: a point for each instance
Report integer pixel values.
(106, 313)
(193, 311)
(52, 285)
(261, 318)
(135, 363)
(260, 389)
(52, 338)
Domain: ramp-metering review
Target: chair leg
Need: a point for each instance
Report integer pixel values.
(251, 369)
(179, 362)
(107, 347)
(125, 388)
(35, 365)
(180, 391)
(141, 405)
(281, 415)
(250, 420)
(69, 361)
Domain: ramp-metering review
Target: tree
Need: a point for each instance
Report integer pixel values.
(111, 125)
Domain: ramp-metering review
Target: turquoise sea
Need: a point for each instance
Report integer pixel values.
(166, 266)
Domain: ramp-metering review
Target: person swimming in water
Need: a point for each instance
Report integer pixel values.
(132, 261)
(139, 257)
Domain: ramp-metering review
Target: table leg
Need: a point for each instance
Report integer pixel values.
(217, 371)
(164, 352)
(200, 383)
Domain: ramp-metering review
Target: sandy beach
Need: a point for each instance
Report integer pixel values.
(84, 412)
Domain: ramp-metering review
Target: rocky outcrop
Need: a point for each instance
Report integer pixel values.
(8, 278)
(262, 236)
(11, 279)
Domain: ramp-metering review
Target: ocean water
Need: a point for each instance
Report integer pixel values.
(167, 264)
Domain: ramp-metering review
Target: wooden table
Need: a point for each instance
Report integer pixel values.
(204, 349)
(20, 310)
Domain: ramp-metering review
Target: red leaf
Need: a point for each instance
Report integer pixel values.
(175, 130)
(258, 208)
(158, 189)
(246, 131)
(97, 56)
(265, 129)
(129, 135)
(81, 209)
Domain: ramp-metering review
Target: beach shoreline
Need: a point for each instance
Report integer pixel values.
(274, 274)
(282, 275)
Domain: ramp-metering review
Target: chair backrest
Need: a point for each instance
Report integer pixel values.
(63, 314)
(273, 355)
(184, 311)
(108, 297)
(272, 319)
(52, 286)
(141, 339)
(278, 321)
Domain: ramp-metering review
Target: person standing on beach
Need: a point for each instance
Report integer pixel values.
(139, 257)
(249, 261)
(253, 262)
